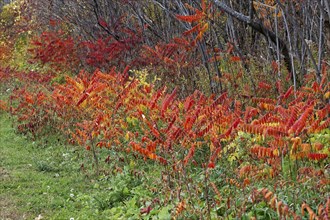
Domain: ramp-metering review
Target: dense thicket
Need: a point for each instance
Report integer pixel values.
(294, 34)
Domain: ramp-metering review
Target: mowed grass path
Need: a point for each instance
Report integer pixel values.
(40, 180)
(44, 179)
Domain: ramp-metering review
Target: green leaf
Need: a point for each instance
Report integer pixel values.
(164, 213)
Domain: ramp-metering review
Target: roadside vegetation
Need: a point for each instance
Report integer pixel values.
(164, 114)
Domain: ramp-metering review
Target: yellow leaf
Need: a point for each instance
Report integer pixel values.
(127, 137)
(276, 152)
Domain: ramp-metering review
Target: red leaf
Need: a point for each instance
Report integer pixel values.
(235, 59)
(107, 160)
(170, 125)
(214, 157)
(181, 41)
(125, 72)
(263, 85)
(317, 156)
(211, 165)
(102, 22)
(230, 48)
(288, 93)
(189, 155)
(29, 99)
(188, 103)
(168, 100)
(52, 22)
(162, 160)
(82, 99)
(146, 210)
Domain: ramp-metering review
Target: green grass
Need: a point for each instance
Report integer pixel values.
(45, 178)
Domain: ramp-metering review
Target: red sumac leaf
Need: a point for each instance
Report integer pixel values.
(317, 156)
(211, 165)
(82, 98)
(168, 100)
(146, 210)
(189, 155)
(235, 59)
(102, 22)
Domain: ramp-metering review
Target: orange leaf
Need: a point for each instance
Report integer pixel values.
(215, 58)
(190, 18)
(192, 30)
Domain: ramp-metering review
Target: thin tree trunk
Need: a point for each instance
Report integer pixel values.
(320, 37)
(259, 27)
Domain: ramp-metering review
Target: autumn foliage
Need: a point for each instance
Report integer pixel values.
(114, 111)
(262, 130)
